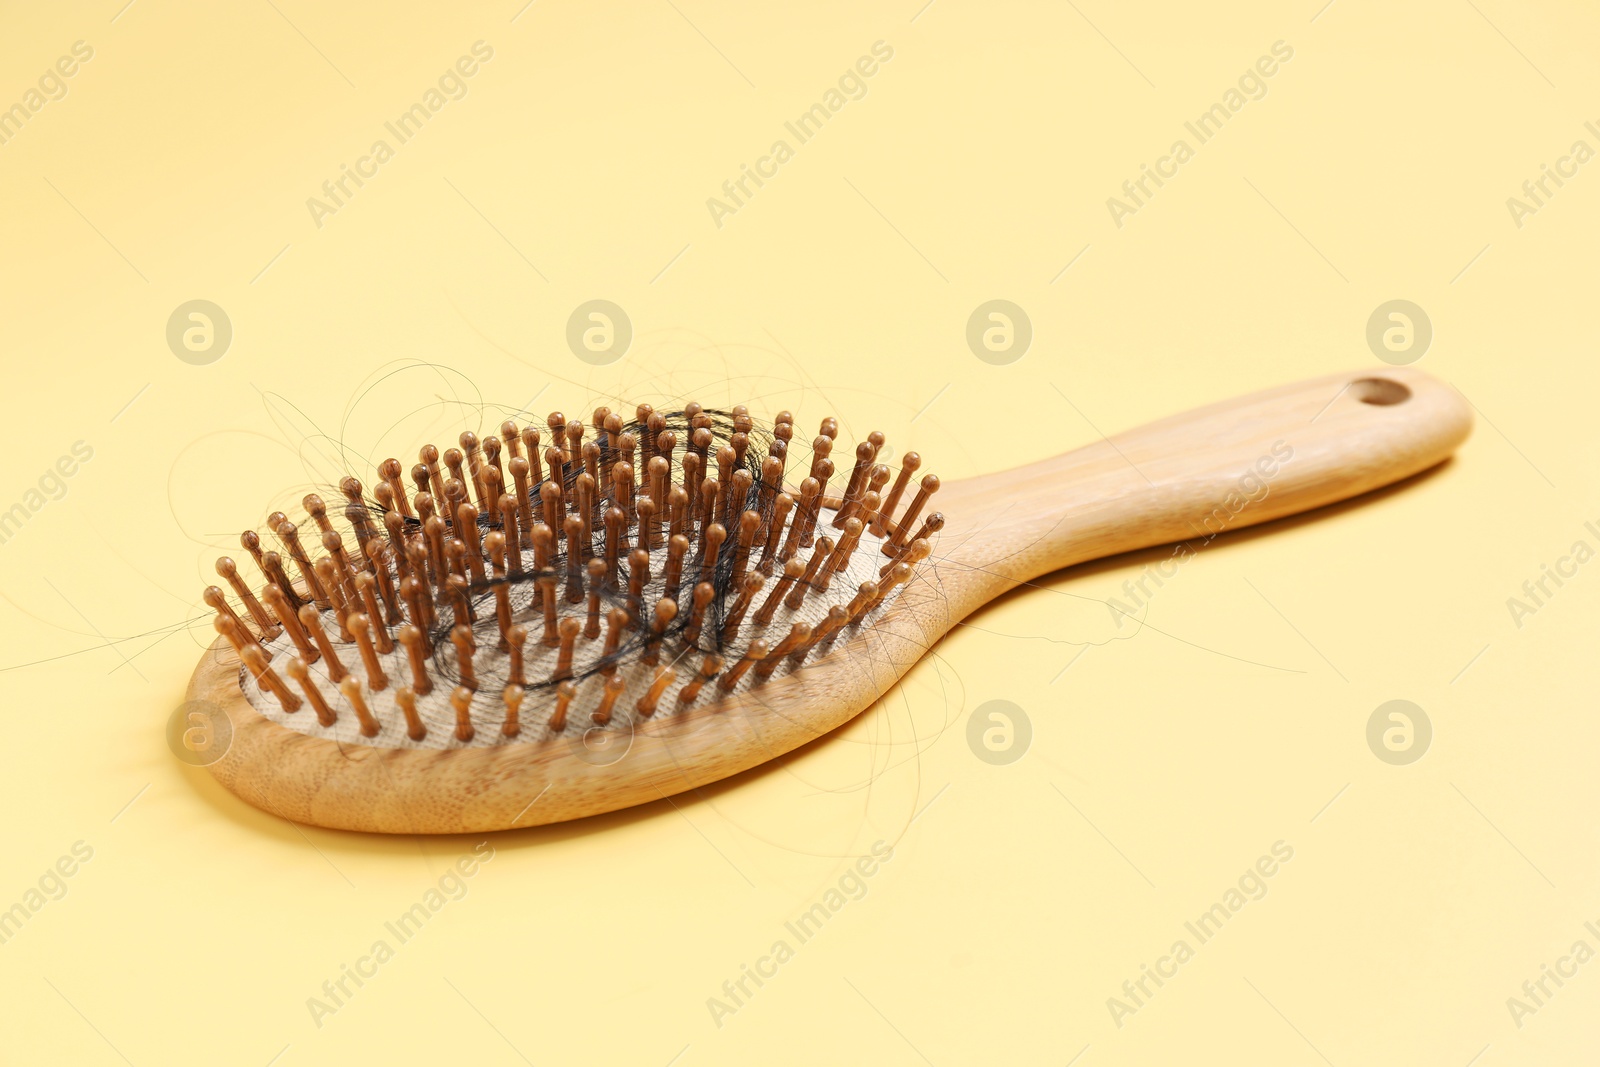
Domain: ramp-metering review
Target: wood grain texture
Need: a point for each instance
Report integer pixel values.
(1223, 467)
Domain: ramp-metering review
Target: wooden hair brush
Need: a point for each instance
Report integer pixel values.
(538, 629)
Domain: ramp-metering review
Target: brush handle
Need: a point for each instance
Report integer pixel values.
(1218, 468)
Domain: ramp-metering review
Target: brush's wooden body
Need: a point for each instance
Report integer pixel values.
(1222, 467)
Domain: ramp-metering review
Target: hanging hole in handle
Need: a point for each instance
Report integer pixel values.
(1382, 392)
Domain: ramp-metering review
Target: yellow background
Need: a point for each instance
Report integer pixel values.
(1163, 762)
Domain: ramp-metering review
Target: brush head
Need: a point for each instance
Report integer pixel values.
(564, 589)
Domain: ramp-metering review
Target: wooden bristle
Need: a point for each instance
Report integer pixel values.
(289, 534)
(713, 537)
(367, 586)
(665, 611)
(378, 556)
(296, 669)
(792, 572)
(361, 626)
(230, 629)
(351, 688)
(646, 705)
(429, 455)
(824, 471)
(821, 447)
(798, 635)
(530, 445)
(804, 517)
(638, 575)
(781, 506)
(616, 621)
(520, 470)
(837, 617)
(494, 476)
(569, 629)
(930, 526)
(597, 577)
(614, 684)
(266, 626)
(217, 602)
(547, 594)
(564, 694)
(709, 669)
(866, 593)
(914, 553)
(328, 572)
(318, 512)
(809, 576)
(865, 454)
(898, 573)
(574, 531)
(291, 622)
(407, 700)
(513, 698)
(311, 619)
(251, 542)
(908, 468)
(268, 679)
(841, 554)
(389, 470)
(461, 637)
(502, 592)
(749, 524)
(677, 548)
(703, 594)
(751, 586)
(461, 703)
(455, 486)
(753, 655)
(272, 568)
(516, 646)
(904, 525)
